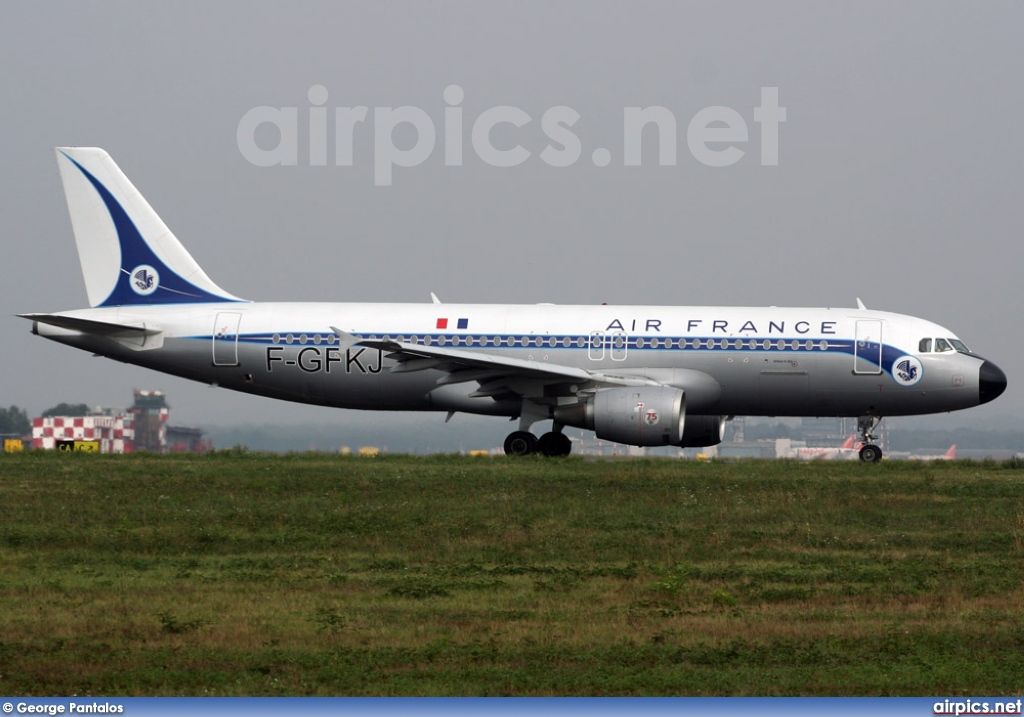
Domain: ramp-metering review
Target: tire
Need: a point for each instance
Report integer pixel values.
(554, 445)
(520, 443)
(870, 454)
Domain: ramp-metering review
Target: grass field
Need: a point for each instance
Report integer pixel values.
(251, 574)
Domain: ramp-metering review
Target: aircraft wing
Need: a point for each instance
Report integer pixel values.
(495, 374)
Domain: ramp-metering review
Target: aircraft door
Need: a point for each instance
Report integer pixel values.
(867, 349)
(225, 338)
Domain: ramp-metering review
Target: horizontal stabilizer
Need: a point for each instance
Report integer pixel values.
(135, 335)
(91, 326)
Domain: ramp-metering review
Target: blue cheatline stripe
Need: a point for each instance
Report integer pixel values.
(135, 252)
(557, 341)
(645, 344)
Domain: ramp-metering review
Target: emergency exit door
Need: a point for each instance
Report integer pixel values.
(867, 349)
(225, 338)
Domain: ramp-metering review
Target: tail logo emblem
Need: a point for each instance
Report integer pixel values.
(907, 370)
(145, 280)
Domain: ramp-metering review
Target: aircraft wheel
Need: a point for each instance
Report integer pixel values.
(870, 454)
(555, 445)
(520, 443)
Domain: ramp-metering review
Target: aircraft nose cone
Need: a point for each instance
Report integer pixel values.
(991, 382)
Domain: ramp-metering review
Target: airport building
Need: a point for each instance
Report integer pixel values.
(93, 434)
(140, 427)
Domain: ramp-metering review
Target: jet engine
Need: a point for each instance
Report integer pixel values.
(647, 416)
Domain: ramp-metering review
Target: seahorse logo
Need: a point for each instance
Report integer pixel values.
(145, 280)
(907, 370)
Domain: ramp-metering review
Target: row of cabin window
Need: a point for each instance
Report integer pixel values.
(596, 341)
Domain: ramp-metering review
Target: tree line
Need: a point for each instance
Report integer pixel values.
(14, 421)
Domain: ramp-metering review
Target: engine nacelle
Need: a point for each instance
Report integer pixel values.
(645, 416)
(703, 431)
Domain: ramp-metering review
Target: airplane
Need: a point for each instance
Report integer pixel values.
(637, 375)
(949, 455)
(846, 451)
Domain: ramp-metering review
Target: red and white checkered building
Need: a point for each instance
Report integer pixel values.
(116, 434)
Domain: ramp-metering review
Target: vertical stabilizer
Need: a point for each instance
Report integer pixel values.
(128, 254)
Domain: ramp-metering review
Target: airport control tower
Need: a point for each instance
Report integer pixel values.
(150, 413)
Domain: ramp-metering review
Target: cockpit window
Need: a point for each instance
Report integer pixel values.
(942, 345)
(925, 347)
(960, 346)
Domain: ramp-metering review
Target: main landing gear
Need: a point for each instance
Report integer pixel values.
(869, 452)
(553, 444)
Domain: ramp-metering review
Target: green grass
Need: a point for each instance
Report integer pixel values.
(250, 574)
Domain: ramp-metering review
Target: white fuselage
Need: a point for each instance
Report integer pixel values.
(730, 360)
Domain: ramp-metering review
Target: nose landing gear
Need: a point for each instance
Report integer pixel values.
(869, 452)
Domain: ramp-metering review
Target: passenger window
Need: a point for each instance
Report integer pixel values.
(925, 347)
(941, 345)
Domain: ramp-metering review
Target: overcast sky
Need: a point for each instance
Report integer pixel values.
(898, 178)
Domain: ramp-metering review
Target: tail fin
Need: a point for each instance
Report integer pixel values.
(128, 255)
